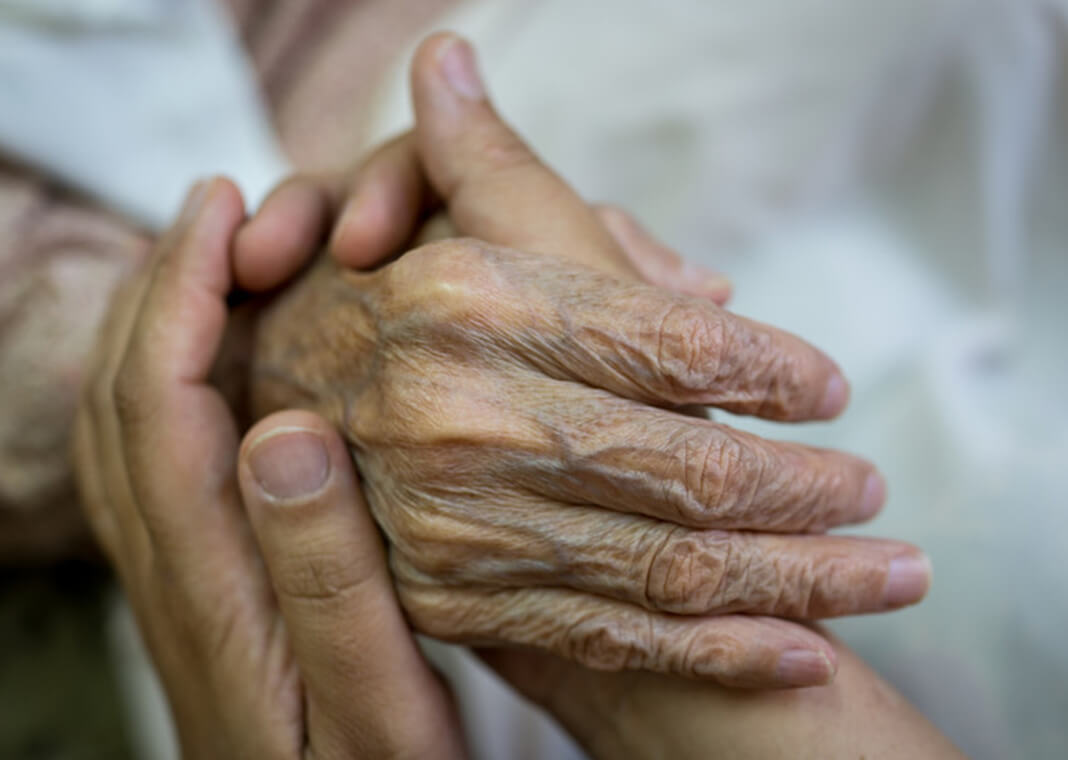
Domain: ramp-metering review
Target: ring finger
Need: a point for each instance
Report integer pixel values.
(629, 457)
(670, 568)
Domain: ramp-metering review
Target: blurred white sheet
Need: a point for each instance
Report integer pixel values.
(131, 101)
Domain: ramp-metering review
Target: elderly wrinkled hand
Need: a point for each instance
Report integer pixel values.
(513, 403)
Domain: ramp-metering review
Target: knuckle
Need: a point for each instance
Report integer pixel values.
(669, 572)
(690, 346)
(319, 576)
(708, 652)
(687, 572)
(610, 643)
(444, 268)
(449, 288)
(714, 474)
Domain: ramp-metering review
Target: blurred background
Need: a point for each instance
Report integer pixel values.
(888, 180)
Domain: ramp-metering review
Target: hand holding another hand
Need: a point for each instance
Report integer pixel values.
(263, 595)
(512, 403)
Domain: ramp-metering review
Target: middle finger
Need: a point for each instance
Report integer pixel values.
(629, 457)
(669, 568)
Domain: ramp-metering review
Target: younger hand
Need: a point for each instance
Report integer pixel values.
(645, 716)
(258, 578)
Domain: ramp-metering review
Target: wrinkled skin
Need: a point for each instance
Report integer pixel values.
(260, 584)
(513, 402)
(515, 413)
(511, 416)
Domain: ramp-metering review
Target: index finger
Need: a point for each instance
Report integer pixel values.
(181, 323)
(644, 343)
(633, 340)
(176, 430)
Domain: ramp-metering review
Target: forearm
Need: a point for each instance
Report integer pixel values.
(643, 715)
(59, 262)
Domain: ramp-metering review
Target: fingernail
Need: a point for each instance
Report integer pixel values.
(835, 397)
(717, 284)
(874, 496)
(907, 580)
(804, 667)
(289, 464)
(194, 200)
(457, 64)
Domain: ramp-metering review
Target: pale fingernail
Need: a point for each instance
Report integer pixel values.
(907, 580)
(874, 496)
(804, 667)
(289, 464)
(456, 62)
(835, 397)
(717, 283)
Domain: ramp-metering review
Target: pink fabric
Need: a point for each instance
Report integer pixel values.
(60, 257)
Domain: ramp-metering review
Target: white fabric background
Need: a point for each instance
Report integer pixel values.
(131, 101)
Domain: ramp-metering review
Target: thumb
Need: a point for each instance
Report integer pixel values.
(494, 186)
(368, 690)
